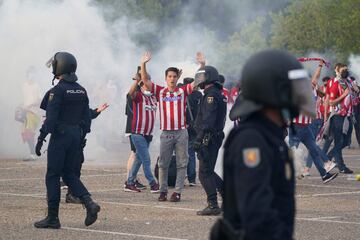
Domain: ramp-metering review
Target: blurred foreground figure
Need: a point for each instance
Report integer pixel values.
(68, 121)
(259, 184)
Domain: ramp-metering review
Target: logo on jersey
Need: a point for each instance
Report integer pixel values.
(210, 100)
(172, 99)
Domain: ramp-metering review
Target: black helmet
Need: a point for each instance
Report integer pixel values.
(206, 75)
(276, 79)
(221, 79)
(63, 64)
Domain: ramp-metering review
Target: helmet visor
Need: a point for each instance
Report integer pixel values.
(302, 93)
(49, 62)
(200, 77)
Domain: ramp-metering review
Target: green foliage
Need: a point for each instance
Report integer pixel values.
(318, 25)
(233, 53)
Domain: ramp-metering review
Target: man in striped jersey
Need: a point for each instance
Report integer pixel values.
(144, 112)
(336, 112)
(300, 131)
(174, 136)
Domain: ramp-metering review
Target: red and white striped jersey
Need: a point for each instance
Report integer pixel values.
(144, 113)
(226, 93)
(302, 119)
(335, 88)
(172, 106)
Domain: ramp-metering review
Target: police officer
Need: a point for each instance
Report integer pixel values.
(209, 125)
(67, 108)
(94, 113)
(259, 182)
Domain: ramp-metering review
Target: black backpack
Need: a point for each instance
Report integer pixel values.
(172, 171)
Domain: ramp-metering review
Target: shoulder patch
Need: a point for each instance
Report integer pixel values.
(51, 96)
(210, 100)
(251, 157)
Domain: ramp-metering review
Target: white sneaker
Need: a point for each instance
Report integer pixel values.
(306, 172)
(330, 166)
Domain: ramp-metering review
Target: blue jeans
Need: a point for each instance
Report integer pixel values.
(315, 127)
(142, 157)
(304, 134)
(336, 128)
(347, 136)
(191, 167)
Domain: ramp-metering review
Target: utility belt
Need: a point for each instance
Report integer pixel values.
(65, 127)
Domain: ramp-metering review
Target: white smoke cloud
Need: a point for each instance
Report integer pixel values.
(32, 31)
(354, 67)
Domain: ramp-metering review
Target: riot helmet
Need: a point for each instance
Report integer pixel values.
(206, 75)
(274, 78)
(221, 79)
(63, 65)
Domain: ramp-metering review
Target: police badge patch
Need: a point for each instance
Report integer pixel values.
(251, 157)
(51, 96)
(210, 99)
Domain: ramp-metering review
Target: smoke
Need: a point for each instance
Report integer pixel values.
(354, 67)
(107, 42)
(32, 31)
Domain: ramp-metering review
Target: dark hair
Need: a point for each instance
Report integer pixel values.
(172, 69)
(325, 79)
(352, 78)
(337, 65)
(340, 65)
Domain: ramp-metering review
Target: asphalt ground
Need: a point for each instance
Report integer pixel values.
(324, 211)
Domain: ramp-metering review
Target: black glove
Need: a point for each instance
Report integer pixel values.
(197, 145)
(39, 145)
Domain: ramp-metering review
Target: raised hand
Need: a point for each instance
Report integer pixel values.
(102, 107)
(200, 58)
(145, 57)
(180, 73)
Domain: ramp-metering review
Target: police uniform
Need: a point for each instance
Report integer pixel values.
(209, 125)
(68, 106)
(67, 120)
(93, 114)
(258, 178)
(259, 186)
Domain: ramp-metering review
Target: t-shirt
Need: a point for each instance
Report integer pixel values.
(335, 88)
(144, 113)
(172, 106)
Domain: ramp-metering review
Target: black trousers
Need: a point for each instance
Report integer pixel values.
(208, 178)
(62, 161)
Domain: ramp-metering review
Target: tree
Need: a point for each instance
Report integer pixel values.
(318, 25)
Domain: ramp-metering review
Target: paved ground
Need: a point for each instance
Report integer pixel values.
(323, 211)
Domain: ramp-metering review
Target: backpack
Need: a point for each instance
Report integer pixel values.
(171, 173)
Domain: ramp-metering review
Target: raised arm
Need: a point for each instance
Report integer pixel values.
(144, 76)
(316, 76)
(200, 59)
(133, 88)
